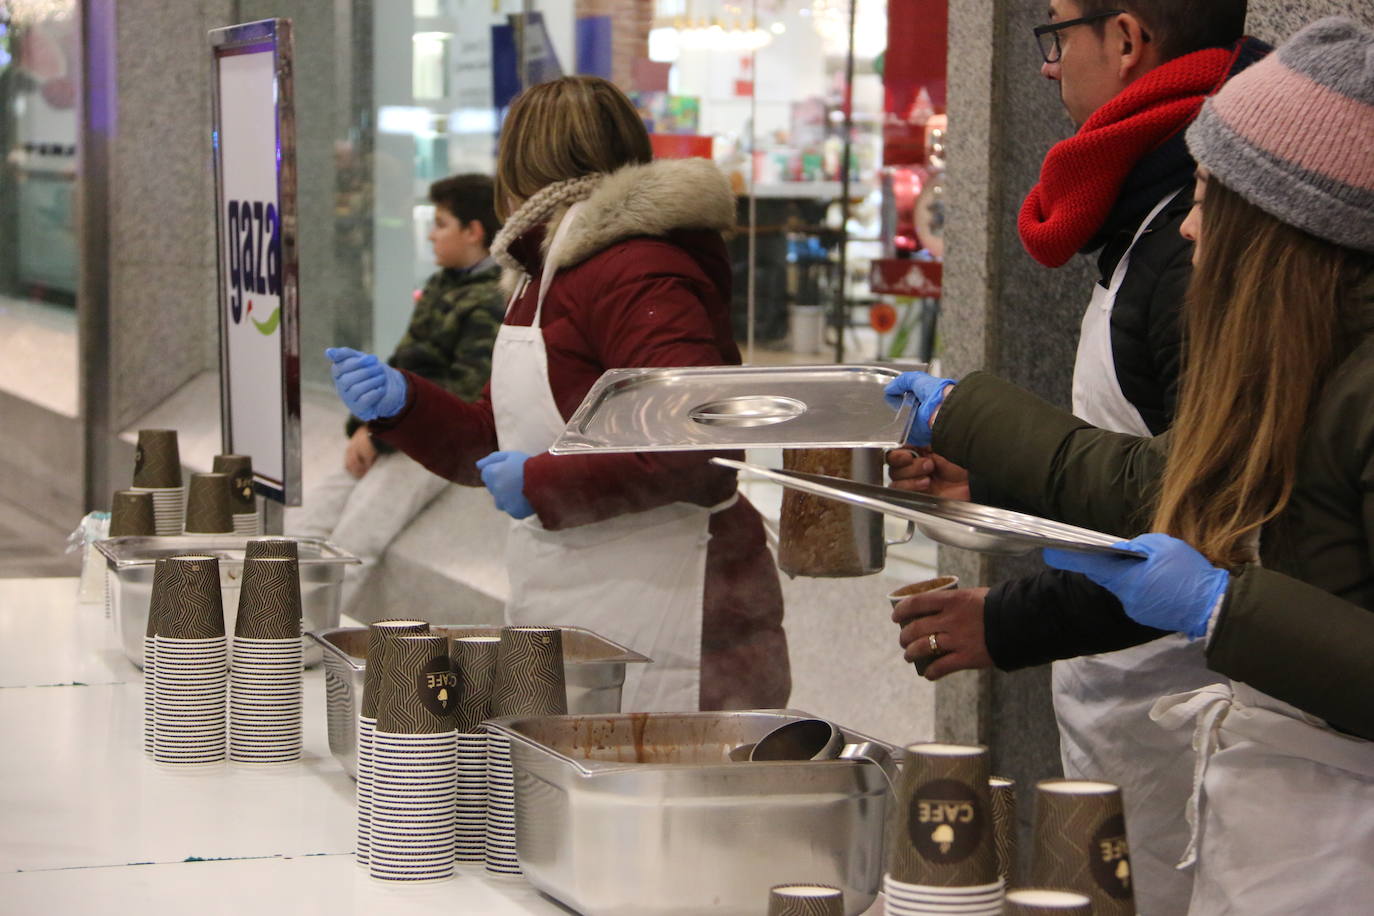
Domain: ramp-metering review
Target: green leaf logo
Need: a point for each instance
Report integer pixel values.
(266, 328)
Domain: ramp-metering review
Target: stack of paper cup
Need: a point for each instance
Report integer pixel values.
(474, 662)
(1078, 843)
(190, 669)
(1041, 901)
(941, 851)
(377, 634)
(157, 471)
(265, 694)
(1002, 791)
(805, 900)
(242, 500)
(207, 505)
(414, 781)
(161, 585)
(530, 681)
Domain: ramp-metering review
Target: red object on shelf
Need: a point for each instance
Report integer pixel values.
(906, 277)
(882, 317)
(680, 146)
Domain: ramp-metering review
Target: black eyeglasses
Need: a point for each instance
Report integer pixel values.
(1047, 36)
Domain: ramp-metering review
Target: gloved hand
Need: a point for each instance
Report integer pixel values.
(930, 394)
(367, 386)
(503, 473)
(1173, 588)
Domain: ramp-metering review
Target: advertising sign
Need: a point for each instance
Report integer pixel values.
(255, 225)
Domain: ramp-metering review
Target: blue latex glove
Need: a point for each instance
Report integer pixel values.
(503, 473)
(1173, 588)
(367, 386)
(930, 393)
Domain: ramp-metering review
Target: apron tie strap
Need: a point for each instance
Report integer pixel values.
(1205, 708)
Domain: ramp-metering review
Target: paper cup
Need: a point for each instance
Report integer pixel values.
(131, 514)
(805, 900)
(377, 633)
(239, 470)
(1002, 792)
(1040, 901)
(938, 584)
(193, 608)
(269, 600)
(259, 548)
(530, 679)
(474, 661)
(942, 834)
(207, 505)
(1079, 843)
(157, 461)
(417, 690)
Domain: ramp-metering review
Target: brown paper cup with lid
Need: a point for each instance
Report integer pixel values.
(257, 548)
(239, 470)
(1045, 901)
(416, 689)
(942, 832)
(1002, 791)
(193, 608)
(805, 900)
(1079, 843)
(207, 505)
(530, 680)
(131, 514)
(157, 461)
(270, 600)
(377, 634)
(474, 661)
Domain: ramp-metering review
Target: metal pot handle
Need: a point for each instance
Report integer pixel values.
(875, 754)
(906, 538)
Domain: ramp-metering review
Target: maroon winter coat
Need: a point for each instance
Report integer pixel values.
(644, 280)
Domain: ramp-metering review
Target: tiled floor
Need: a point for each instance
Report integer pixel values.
(31, 547)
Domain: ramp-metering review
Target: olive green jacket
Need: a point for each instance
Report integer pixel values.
(1300, 627)
(451, 332)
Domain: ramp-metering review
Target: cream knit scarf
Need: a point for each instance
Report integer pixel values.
(537, 210)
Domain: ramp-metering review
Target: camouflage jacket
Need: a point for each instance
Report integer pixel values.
(451, 332)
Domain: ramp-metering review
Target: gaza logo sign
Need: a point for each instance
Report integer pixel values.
(254, 230)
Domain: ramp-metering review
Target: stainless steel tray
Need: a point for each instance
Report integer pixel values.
(645, 814)
(735, 407)
(950, 521)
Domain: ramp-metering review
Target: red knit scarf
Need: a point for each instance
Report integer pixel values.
(1082, 176)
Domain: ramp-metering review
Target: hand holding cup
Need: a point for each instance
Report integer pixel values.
(942, 631)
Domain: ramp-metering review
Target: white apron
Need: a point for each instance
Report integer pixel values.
(637, 579)
(1102, 702)
(1283, 807)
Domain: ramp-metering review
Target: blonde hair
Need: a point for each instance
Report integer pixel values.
(565, 128)
(1271, 312)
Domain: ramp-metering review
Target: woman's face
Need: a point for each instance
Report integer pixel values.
(1192, 224)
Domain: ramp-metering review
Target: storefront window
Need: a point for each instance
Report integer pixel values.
(39, 79)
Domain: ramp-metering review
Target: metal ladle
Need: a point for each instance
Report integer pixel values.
(817, 739)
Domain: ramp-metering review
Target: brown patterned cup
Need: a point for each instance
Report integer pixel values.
(416, 689)
(258, 548)
(474, 661)
(207, 505)
(239, 469)
(1044, 901)
(1079, 843)
(530, 680)
(270, 600)
(193, 608)
(942, 831)
(805, 900)
(157, 462)
(1003, 794)
(161, 585)
(938, 584)
(377, 634)
(131, 514)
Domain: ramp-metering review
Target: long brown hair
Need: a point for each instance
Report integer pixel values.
(565, 128)
(1271, 311)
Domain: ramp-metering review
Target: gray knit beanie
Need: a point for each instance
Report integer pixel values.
(1294, 134)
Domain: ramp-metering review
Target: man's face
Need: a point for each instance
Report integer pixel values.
(1088, 74)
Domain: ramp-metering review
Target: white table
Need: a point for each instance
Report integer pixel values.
(90, 825)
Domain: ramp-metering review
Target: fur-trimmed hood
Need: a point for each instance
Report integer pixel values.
(637, 200)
